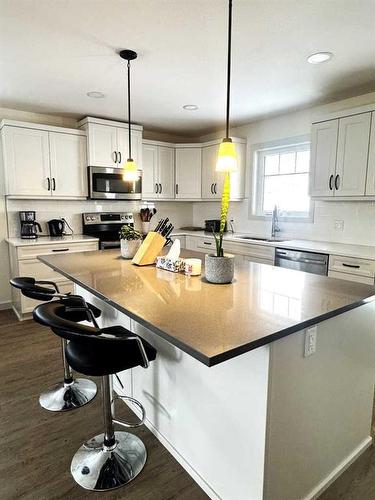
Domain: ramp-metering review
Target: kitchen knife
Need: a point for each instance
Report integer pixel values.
(169, 232)
(163, 226)
(160, 223)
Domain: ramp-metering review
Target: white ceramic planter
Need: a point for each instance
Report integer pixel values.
(129, 248)
(219, 270)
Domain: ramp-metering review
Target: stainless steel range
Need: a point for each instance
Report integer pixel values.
(105, 226)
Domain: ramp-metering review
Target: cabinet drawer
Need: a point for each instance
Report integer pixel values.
(206, 244)
(351, 277)
(257, 251)
(38, 270)
(27, 305)
(350, 265)
(31, 252)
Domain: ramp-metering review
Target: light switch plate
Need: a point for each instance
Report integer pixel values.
(310, 341)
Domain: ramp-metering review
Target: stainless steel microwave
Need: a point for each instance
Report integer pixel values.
(107, 184)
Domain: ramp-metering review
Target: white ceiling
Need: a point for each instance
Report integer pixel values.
(54, 51)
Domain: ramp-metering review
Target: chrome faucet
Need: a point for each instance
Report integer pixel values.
(275, 228)
(231, 225)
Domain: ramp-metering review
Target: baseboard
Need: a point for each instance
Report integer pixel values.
(337, 471)
(172, 450)
(5, 305)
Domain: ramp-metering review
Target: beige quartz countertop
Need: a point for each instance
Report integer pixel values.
(49, 240)
(331, 248)
(213, 323)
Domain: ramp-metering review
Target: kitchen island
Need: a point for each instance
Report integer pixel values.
(231, 393)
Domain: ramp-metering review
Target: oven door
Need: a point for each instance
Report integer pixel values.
(107, 184)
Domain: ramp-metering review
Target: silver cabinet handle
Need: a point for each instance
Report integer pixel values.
(330, 182)
(119, 153)
(48, 184)
(53, 184)
(156, 188)
(160, 188)
(176, 188)
(337, 182)
(114, 156)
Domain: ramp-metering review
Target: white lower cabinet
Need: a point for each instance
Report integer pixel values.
(24, 262)
(243, 251)
(352, 269)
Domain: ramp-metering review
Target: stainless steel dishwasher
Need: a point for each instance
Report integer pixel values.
(309, 262)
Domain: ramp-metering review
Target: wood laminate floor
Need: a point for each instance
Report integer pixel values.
(37, 446)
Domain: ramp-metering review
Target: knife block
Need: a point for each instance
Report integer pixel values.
(149, 250)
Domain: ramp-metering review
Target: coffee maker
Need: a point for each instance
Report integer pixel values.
(29, 226)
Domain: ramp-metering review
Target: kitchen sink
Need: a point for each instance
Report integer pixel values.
(256, 238)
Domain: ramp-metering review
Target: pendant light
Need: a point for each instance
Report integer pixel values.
(227, 157)
(130, 169)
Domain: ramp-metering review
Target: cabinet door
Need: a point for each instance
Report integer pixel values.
(150, 169)
(26, 161)
(352, 155)
(370, 184)
(68, 164)
(166, 172)
(102, 141)
(209, 174)
(188, 173)
(323, 157)
(123, 146)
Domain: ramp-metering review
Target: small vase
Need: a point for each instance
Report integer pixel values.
(129, 248)
(145, 227)
(219, 270)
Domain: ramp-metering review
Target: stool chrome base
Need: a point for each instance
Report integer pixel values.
(100, 468)
(65, 397)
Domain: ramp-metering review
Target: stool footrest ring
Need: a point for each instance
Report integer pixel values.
(136, 403)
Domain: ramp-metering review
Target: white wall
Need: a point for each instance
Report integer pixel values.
(358, 217)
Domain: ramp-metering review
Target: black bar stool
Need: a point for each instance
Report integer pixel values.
(72, 392)
(112, 459)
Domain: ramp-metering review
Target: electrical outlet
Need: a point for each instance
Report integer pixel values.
(310, 341)
(339, 225)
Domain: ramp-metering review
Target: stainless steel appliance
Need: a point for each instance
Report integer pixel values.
(309, 262)
(108, 184)
(29, 226)
(105, 226)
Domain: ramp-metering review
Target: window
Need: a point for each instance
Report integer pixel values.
(283, 180)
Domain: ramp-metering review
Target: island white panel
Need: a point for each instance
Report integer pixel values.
(213, 420)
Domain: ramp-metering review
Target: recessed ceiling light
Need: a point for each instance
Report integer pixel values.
(190, 107)
(95, 94)
(319, 57)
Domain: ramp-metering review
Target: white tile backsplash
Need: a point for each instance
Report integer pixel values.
(180, 214)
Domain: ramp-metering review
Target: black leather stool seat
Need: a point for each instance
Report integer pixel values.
(93, 351)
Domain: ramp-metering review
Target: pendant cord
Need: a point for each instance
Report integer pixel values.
(129, 121)
(229, 66)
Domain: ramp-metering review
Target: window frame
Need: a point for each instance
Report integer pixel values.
(295, 144)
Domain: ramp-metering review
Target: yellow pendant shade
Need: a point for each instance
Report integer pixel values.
(227, 157)
(130, 171)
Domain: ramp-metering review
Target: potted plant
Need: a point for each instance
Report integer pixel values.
(219, 268)
(130, 241)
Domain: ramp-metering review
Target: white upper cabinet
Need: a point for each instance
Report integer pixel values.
(102, 146)
(150, 172)
(323, 157)
(210, 177)
(166, 172)
(352, 155)
(340, 161)
(43, 161)
(26, 161)
(213, 182)
(188, 173)
(108, 142)
(158, 172)
(370, 184)
(68, 164)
